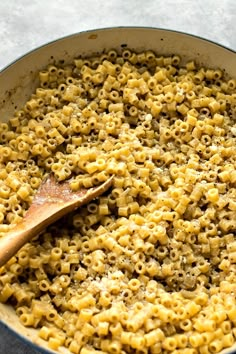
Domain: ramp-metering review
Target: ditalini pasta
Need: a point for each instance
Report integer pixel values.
(149, 267)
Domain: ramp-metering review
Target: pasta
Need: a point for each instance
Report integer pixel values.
(149, 267)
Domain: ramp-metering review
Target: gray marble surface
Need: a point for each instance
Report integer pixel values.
(26, 24)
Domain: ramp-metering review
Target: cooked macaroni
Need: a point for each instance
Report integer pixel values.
(149, 267)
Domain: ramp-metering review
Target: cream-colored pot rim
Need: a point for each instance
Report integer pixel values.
(19, 79)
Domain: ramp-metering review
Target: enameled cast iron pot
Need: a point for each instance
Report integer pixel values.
(19, 80)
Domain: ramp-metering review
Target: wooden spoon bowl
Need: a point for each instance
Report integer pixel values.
(52, 201)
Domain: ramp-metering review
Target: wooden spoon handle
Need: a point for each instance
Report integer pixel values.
(13, 241)
(37, 218)
(43, 212)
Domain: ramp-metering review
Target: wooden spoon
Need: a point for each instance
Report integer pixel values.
(52, 201)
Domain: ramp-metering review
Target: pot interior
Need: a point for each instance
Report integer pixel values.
(19, 80)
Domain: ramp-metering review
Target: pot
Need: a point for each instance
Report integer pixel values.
(19, 79)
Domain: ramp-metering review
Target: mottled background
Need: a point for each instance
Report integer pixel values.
(26, 24)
